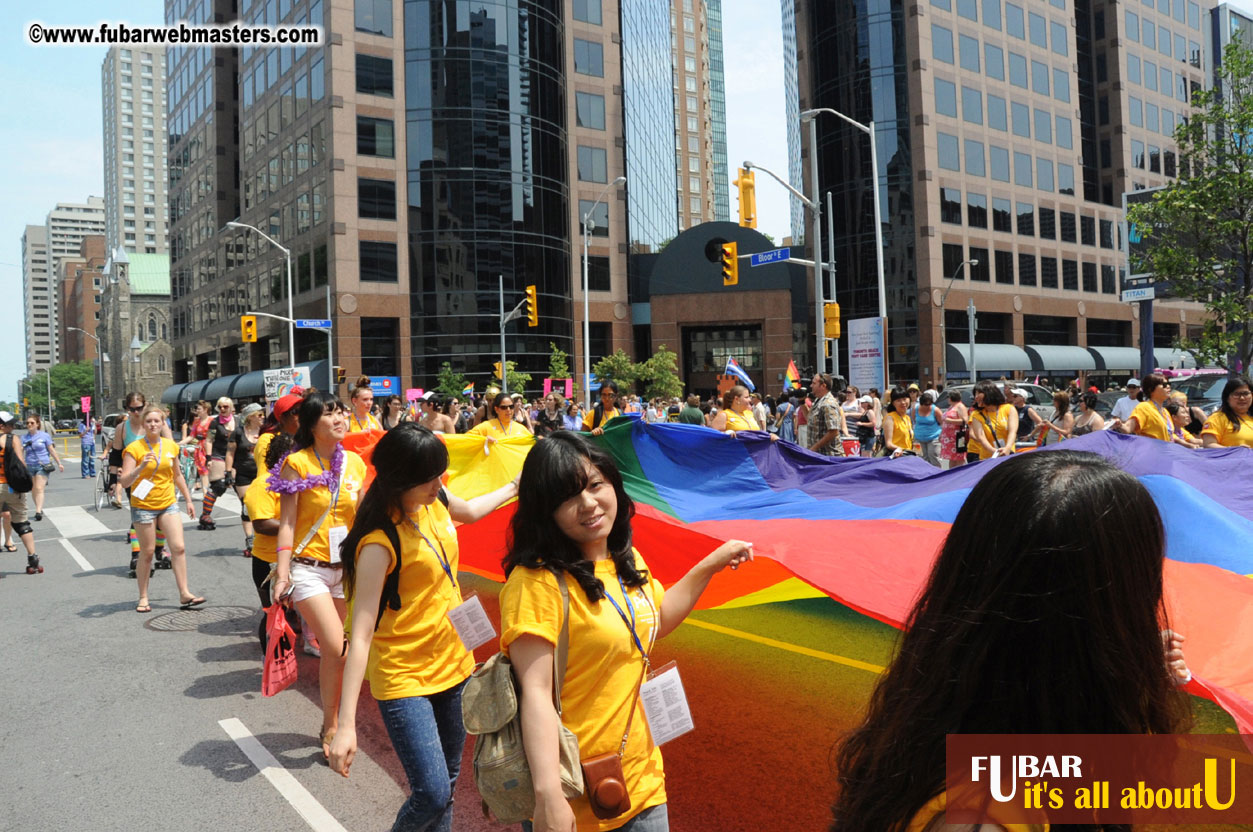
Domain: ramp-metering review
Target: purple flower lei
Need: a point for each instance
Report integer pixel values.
(330, 478)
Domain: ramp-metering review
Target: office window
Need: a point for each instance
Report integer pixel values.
(1102, 69)
(992, 14)
(1089, 277)
(968, 48)
(377, 262)
(994, 61)
(1021, 117)
(588, 11)
(592, 164)
(1044, 126)
(600, 216)
(974, 158)
(376, 137)
(976, 210)
(946, 145)
(1044, 174)
(373, 16)
(1061, 85)
(1058, 34)
(1048, 272)
(376, 199)
(947, 5)
(1194, 53)
(968, 9)
(589, 58)
(1148, 34)
(1108, 284)
(1155, 159)
(1168, 122)
(1151, 76)
(996, 112)
(951, 205)
(1002, 215)
(1022, 169)
(1066, 222)
(982, 270)
(953, 256)
(998, 161)
(1151, 122)
(1137, 154)
(1102, 108)
(1133, 27)
(589, 110)
(972, 105)
(1107, 233)
(380, 346)
(1014, 22)
(598, 275)
(1065, 179)
(374, 76)
(1039, 77)
(1063, 132)
(1026, 269)
(1017, 70)
(1164, 41)
(1168, 163)
(941, 43)
(1004, 266)
(1070, 275)
(945, 98)
(1181, 48)
(1133, 69)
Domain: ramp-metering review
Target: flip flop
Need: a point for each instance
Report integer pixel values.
(192, 604)
(142, 608)
(9, 547)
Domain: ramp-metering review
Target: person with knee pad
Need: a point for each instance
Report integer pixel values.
(241, 466)
(11, 501)
(220, 430)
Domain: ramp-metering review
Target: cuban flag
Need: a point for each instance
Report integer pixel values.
(734, 369)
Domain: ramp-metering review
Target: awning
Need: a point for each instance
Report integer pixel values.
(244, 385)
(988, 357)
(192, 392)
(1046, 357)
(170, 395)
(1170, 359)
(241, 386)
(1116, 358)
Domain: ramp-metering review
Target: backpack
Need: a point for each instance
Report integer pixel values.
(391, 584)
(15, 472)
(489, 708)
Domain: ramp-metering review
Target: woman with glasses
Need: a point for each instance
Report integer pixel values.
(40, 453)
(126, 433)
(501, 425)
(1150, 417)
(1231, 425)
(393, 412)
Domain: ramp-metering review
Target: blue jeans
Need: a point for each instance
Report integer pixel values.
(428, 736)
(652, 819)
(88, 464)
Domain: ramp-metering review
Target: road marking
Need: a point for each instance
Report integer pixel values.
(74, 553)
(288, 786)
(74, 521)
(783, 645)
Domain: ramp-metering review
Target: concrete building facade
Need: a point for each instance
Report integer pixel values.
(133, 90)
(699, 112)
(37, 300)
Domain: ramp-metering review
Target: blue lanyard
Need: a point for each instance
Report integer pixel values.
(157, 453)
(630, 623)
(440, 554)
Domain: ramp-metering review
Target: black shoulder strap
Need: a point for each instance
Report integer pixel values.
(598, 413)
(391, 586)
(443, 497)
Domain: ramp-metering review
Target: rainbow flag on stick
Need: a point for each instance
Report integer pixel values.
(791, 378)
(468, 389)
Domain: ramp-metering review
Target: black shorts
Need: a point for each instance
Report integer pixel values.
(115, 458)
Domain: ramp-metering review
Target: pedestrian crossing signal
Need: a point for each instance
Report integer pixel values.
(248, 329)
(730, 264)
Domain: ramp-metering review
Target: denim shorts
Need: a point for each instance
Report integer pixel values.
(144, 515)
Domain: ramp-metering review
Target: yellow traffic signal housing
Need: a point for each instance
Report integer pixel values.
(248, 328)
(497, 367)
(831, 319)
(532, 306)
(341, 375)
(730, 264)
(747, 183)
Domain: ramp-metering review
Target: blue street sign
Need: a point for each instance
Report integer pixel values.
(313, 323)
(774, 256)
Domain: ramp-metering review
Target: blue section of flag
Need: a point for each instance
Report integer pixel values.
(734, 369)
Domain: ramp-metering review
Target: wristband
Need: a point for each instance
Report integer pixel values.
(282, 549)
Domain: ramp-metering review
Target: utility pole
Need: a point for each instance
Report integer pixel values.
(504, 382)
(970, 336)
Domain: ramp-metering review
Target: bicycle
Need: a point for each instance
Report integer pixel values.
(187, 461)
(104, 486)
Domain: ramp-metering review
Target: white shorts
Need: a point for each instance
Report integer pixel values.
(308, 581)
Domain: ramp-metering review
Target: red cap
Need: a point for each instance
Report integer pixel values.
(287, 402)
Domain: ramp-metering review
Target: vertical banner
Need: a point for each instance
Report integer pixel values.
(866, 367)
(548, 386)
(569, 388)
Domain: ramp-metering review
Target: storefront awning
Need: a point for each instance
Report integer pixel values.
(1170, 359)
(240, 386)
(988, 358)
(170, 395)
(244, 385)
(1116, 358)
(1048, 357)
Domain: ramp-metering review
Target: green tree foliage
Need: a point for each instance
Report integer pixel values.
(518, 380)
(1198, 231)
(618, 367)
(449, 382)
(70, 382)
(660, 375)
(558, 362)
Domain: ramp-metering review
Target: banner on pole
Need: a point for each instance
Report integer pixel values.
(413, 394)
(548, 386)
(865, 353)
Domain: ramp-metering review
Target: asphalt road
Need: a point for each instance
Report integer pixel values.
(120, 721)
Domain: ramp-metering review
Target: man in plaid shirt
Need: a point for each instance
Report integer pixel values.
(826, 419)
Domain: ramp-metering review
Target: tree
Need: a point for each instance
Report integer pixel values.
(1198, 231)
(558, 362)
(450, 383)
(619, 367)
(518, 380)
(70, 382)
(659, 374)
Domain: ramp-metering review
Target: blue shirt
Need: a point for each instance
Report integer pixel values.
(37, 445)
(927, 428)
(86, 436)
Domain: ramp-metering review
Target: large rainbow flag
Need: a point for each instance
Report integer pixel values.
(866, 531)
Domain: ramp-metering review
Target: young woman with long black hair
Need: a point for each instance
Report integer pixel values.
(1053, 624)
(405, 642)
(573, 525)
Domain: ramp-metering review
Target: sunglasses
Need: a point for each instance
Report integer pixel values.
(135, 409)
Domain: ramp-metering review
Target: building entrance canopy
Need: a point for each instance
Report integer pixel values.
(988, 358)
(241, 386)
(1047, 357)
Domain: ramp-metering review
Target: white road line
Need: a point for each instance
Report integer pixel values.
(74, 521)
(288, 786)
(74, 553)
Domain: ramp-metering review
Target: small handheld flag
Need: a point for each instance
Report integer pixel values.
(792, 378)
(468, 389)
(734, 369)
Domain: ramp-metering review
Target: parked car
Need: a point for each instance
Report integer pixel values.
(108, 426)
(1039, 399)
(1203, 391)
(66, 425)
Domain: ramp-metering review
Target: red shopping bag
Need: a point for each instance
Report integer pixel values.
(280, 652)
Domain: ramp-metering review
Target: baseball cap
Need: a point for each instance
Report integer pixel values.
(286, 403)
(913, 387)
(1018, 391)
(866, 400)
(1133, 382)
(6, 417)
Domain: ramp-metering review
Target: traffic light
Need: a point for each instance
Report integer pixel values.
(497, 367)
(747, 184)
(25, 402)
(831, 319)
(248, 328)
(532, 306)
(341, 375)
(730, 264)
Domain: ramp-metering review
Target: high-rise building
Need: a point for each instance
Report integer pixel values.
(133, 86)
(37, 299)
(1228, 23)
(700, 139)
(1007, 133)
(792, 114)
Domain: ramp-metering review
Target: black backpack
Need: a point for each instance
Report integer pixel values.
(15, 472)
(390, 599)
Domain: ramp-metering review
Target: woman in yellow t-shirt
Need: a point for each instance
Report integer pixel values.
(736, 414)
(595, 419)
(403, 639)
(898, 428)
(1231, 425)
(1149, 418)
(501, 425)
(320, 484)
(361, 419)
(573, 524)
(151, 471)
(993, 422)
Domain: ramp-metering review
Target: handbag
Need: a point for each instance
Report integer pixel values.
(279, 670)
(603, 779)
(48, 467)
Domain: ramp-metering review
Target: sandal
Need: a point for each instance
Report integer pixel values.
(9, 547)
(191, 603)
(143, 607)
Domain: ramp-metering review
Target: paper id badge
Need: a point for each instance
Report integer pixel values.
(471, 622)
(141, 489)
(665, 704)
(336, 538)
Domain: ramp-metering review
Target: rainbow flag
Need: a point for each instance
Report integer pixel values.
(792, 378)
(786, 500)
(468, 389)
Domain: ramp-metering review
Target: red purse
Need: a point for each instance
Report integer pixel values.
(279, 670)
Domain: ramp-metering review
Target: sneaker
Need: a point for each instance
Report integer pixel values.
(39, 515)
(310, 647)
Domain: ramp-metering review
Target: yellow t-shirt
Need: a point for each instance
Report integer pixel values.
(741, 421)
(162, 494)
(416, 650)
(603, 668)
(262, 504)
(903, 431)
(999, 423)
(591, 414)
(259, 451)
(1221, 427)
(356, 425)
(1153, 420)
(936, 807)
(494, 429)
(312, 502)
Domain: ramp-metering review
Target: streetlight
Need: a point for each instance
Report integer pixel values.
(869, 129)
(943, 328)
(588, 225)
(291, 318)
(99, 366)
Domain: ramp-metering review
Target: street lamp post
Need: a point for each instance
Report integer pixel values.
(98, 368)
(588, 225)
(869, 129)
(943, 330)
(291, 318)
